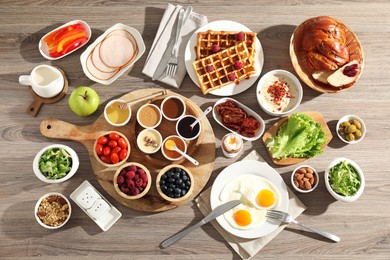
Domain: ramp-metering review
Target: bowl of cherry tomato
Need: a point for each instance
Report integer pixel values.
(111, 149)
(64, 40)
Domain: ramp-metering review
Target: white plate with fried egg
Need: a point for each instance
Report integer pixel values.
(259, 187)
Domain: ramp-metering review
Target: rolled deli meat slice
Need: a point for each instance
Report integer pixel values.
(98, 63)
(97, 73)
(116, 50)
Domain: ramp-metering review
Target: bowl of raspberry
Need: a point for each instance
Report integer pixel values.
(132, 180)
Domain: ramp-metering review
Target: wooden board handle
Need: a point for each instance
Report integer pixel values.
(54, 128)
(35, 106)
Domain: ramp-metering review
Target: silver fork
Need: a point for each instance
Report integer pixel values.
(287, 218)
(172, 63)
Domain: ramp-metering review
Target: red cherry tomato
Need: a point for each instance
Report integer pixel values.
(102, 140)
(123, 154)
(114, 136)
(105, 159)
(99, 149)
(106, 151)
(114, 158)
(116, 150)
(122, 143)
(112, 143)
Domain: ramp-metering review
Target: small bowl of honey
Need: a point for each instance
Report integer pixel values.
(116, 116)
(171, 154)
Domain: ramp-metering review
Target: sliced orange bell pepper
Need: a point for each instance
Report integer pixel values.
(61, 44)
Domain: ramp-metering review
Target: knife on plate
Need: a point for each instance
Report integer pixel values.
(212, 215)
(183, 16)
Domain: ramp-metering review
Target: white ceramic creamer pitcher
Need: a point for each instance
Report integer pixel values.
(45, 80)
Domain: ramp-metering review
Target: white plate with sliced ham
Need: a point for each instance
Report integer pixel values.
(112, 53)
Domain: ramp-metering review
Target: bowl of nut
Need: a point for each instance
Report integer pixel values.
(351, 129)
(132, 180)
(304, 179)
(175, 183)
(53, 210)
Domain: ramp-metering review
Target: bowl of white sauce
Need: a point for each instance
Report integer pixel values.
(279, 92)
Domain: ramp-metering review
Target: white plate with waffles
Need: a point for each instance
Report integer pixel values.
(242, 170)
(231, 89)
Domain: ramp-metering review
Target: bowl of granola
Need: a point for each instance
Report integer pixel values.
(52, 210)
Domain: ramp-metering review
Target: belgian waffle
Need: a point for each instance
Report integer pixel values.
(224, 40)
(224, 69)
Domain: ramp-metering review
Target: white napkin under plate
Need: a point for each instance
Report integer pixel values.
(162, 39)
(247, 248)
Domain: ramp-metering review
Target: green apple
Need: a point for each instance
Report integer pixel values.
(83, 101)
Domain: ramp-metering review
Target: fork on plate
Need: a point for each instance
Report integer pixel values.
(287, 218)
(171, 68)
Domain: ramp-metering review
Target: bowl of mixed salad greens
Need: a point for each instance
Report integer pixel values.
(344, 180)
(55, 163)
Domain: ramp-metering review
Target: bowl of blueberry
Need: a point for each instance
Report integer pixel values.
(175, 183)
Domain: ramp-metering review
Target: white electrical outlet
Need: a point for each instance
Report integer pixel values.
(99, 209)
(87, 197)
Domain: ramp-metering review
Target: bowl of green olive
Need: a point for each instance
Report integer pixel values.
(351, 129)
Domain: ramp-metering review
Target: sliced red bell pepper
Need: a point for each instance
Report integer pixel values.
(50, 39)
(74, 45)
(55, 54)
(70, 33)
(68, 39)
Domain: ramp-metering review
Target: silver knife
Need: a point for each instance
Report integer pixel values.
(213, 214)
(168, 51)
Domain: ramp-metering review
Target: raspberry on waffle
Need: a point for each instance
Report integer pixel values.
(224, 67)
(223, 39)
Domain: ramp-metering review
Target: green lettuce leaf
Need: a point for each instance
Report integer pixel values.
(344, 179)
(55, 163)
(300, 137)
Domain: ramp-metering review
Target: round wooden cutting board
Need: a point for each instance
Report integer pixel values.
(202, 149)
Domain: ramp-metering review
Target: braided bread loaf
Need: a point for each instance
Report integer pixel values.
(324, 43)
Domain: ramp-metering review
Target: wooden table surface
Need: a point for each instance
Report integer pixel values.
(364, 226)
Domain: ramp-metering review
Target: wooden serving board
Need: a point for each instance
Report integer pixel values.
(202, 149)
(272, 131)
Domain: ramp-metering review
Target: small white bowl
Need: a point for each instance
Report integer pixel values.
(348, 118)
(166, 100)
(139, 114)
(75, 163)
(163, 144)
(44, 49)
(282, 76)
(186, 127)
(39, 203)
(338, 196)
(315, 173)
(106, 116)
(142, 135)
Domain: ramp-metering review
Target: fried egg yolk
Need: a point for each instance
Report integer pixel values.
(266, 198)
(242, 217)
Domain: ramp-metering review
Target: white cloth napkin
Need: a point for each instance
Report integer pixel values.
(165, 32)
(247, 248)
